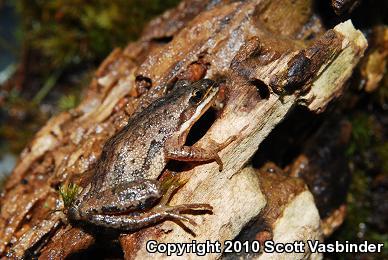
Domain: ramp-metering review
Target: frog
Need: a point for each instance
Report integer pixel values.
(125, 192)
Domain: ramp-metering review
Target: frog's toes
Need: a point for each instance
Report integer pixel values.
(184, 208)
(197, 206)
(176, 212)
(181, 217)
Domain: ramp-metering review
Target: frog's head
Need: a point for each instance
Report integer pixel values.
(199, 97)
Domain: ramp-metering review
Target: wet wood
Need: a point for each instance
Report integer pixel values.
(266, 67)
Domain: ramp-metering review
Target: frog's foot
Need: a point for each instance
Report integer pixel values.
(218, 147)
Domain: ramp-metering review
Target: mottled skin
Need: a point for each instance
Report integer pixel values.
(125, 193)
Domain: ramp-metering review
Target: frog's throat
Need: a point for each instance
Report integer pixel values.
(199, 111)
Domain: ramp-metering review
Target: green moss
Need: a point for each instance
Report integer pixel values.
(63, 41)
(356, 227)
(22, 118)
(68, 193)
(362, 134)
(67, 102)
(367, 154)
(357, 212)
(69, 32)
(382, 152)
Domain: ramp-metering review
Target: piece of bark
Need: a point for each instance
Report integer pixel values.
(264, 75)
(251, 122)
(67, 241)
(35, 235)
(226, 196)
(290, 215)
(374, 64)
(299, 222)
(332, 222)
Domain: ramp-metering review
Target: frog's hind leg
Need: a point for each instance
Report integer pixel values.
(133, 223)
(156, 215)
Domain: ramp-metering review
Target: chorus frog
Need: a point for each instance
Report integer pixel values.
(125, 193)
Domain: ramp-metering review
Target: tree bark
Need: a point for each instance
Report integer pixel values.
(269, 56)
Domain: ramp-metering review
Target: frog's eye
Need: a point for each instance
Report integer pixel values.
(196, 96)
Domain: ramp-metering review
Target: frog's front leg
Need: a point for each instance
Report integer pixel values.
(176, 150)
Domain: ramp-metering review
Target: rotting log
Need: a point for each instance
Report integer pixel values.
(268, 60)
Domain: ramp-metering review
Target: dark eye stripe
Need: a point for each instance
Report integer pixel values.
(197, 97)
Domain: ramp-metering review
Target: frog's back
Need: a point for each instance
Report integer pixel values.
(136, 152)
